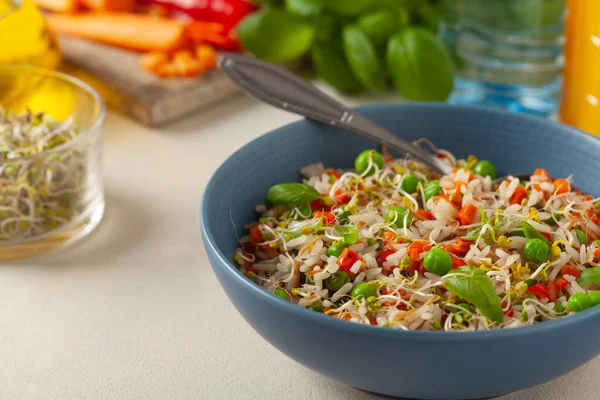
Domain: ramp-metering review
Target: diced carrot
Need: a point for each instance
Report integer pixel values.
(256, 235)
(467, 214)
(424, 214)
(207, 56)
(542, 172)
(327, 216)
(167, 70)
(518, 196)
(570, 270)
(64, 6)
(109, 5)
(152, 60)
(186, 64)
(388, 236)
(460, 247)
(562, 186)
(340, 197)
(128, 30)
(587, 197)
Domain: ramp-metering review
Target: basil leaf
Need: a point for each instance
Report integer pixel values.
(589, 276)
(349, 7)
(420, 65)
(349, 234)
(333, 68)
(530, 232)
(474, 286)
(276, 35)
(362, 58)
(291, 193)
(304, 8)
(378, 25)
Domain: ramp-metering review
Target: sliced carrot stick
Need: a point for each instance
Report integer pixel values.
(136, 32)
(109, 5)
(59, 5)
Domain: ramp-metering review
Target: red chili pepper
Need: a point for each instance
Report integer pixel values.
(570, 270)
(347, 259)
(319, 204)
(518, 196)
(373, 321)
(560, 283)
(327, 216)
(340, 197)
(509, 312)
(256, 235)
(552, 291)
(458, 262)
(383, 255)
(226, 12)
(546, 235)
(539, 290)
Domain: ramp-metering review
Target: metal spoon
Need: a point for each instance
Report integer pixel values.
(280, 88)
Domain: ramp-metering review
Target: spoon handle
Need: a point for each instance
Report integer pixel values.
(280, 88)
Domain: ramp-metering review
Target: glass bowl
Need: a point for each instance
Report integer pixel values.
(53, 198)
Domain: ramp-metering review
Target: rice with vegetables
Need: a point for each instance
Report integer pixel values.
(394, 244)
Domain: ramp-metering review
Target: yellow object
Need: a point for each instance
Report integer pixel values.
(24, 36)
(581, 94)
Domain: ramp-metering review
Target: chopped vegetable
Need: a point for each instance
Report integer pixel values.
(579, 302)
(368, 162)
(536, 250)
(437, 261)
(365, 289)
(486, 168)
(122, 29)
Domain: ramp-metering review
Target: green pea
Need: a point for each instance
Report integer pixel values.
(432, 188)
(581, 237)
(281, 293)
(343, 216)
(410, 183)
(437, 261)
(335, 249)
(366, 289)
(594, 296)
(397, 214)
(579, 302)
(558, 307)
(536, 250)
(485, 168)
(317, 306)
(337, 280)
(365, 158)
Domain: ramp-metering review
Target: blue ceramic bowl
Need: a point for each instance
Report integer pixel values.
(421, 365)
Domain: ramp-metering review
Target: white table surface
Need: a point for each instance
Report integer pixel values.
(135, 312)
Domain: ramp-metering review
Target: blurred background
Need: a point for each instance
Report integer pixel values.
(155, 60)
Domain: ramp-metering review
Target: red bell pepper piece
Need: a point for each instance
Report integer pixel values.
(347, 259)
(539, 290)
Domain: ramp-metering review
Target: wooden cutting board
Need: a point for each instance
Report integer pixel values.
(151, 100)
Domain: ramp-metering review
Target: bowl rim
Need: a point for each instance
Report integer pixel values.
(228, 266)
(76, 82)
